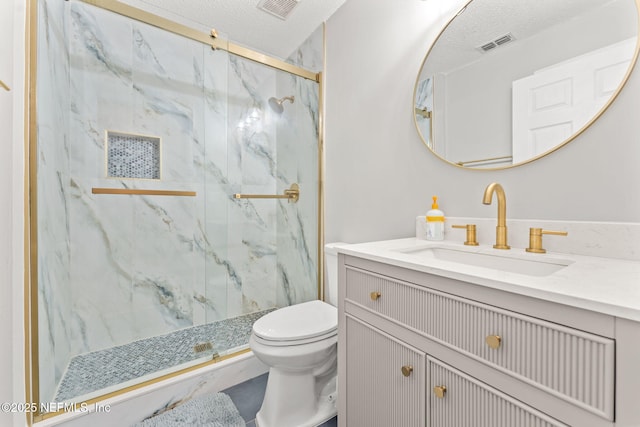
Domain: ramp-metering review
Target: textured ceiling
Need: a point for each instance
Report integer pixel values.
(240, 21)
(486, 20)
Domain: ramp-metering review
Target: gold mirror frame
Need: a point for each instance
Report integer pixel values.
(428, 114)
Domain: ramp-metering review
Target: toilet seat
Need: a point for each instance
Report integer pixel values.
(297, 324)
(288, 343)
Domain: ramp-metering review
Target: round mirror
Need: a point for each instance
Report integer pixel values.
(509, 81)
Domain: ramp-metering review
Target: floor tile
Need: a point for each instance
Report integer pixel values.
(248, 396)
(333, 422)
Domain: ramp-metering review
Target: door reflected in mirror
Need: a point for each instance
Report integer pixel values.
(509, 81)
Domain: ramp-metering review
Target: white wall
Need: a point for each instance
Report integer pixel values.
(379, 175)
(6, 115)
(12, 18)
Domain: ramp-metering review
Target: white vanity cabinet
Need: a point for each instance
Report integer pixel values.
(478, 356)
(385, 379)
(460, 400)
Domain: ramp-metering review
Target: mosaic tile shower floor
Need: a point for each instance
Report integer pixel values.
(97, 370)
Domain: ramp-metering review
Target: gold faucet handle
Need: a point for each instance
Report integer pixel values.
(535, 239)
(471, 234)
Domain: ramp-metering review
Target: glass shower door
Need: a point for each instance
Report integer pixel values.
(147, 262)
(270, 243)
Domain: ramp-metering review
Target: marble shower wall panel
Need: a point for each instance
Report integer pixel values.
(219, 273)
(252, 168)
(166, 264)
(297, 146)
(310, 54)
(101, 270)
(53, 175)
(135, 262)
(251, 123)
(168, 101)
(297, 223)
(100, 50)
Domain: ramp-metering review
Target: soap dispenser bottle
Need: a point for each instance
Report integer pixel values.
(435, 222)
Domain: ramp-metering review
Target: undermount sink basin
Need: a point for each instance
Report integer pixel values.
(527, 264)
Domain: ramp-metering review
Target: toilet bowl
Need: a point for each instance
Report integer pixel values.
(299, 344)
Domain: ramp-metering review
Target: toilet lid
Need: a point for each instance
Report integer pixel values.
(297, 322)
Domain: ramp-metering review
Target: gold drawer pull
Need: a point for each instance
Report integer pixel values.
(493, 341)
(407, 370)
(439, 391)
(375, 295)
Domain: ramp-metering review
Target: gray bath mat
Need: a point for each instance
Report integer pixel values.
(210, 410)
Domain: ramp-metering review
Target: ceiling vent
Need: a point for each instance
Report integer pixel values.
(497, 42)
(279, 8)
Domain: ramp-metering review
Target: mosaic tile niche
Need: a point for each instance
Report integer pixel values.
(133, 156)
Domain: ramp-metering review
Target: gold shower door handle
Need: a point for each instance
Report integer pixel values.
(292, 193)
(4, 86)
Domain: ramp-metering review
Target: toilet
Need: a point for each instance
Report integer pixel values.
(299, 344)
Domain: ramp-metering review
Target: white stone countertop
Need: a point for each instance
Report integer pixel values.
(604, 285)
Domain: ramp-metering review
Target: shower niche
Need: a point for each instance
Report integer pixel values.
(144, 261)
(132, 156)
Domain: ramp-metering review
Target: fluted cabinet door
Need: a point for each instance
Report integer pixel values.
(574, 365)
(385, 379)
(458, 400)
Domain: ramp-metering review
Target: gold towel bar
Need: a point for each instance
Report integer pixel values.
(292, 193)
(142, 192)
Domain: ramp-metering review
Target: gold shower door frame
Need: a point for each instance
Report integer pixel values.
(31, 228)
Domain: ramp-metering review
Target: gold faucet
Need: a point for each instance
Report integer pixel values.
(501, 228)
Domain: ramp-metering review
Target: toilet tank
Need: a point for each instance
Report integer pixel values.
(331, 279)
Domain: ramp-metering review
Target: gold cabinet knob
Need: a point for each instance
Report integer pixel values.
(439, 391)
(493, 341)
(375, 295)
(407, 370)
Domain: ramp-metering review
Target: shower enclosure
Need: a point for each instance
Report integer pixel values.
(163, 221)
